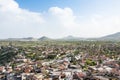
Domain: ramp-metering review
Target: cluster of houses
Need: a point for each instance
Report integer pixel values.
(65, 66)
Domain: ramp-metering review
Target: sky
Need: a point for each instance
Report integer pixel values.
(59, 18)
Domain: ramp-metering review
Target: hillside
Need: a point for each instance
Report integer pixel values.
(44, 38)
(111, 37)
(72, 38)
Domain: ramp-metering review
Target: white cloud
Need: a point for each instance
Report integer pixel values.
(106, 24)
(18, 22)
(95, 25)
(8, 5)
(57, 22)
(65, 16)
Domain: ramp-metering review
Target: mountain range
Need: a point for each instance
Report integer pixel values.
(111, 37)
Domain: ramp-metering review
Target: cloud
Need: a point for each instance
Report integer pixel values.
(56, 22)
(95, 25)
(105, 24)
(66, 20)
(17, 21)
(65, 16)
(8, 5)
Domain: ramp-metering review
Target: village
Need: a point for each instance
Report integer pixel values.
(62, 61)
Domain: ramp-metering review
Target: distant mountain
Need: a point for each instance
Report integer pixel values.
(72, 38)
(29, 39)
(22, 39)
(44, 38)
(112, 37)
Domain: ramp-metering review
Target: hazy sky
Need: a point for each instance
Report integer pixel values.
(59, 18)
